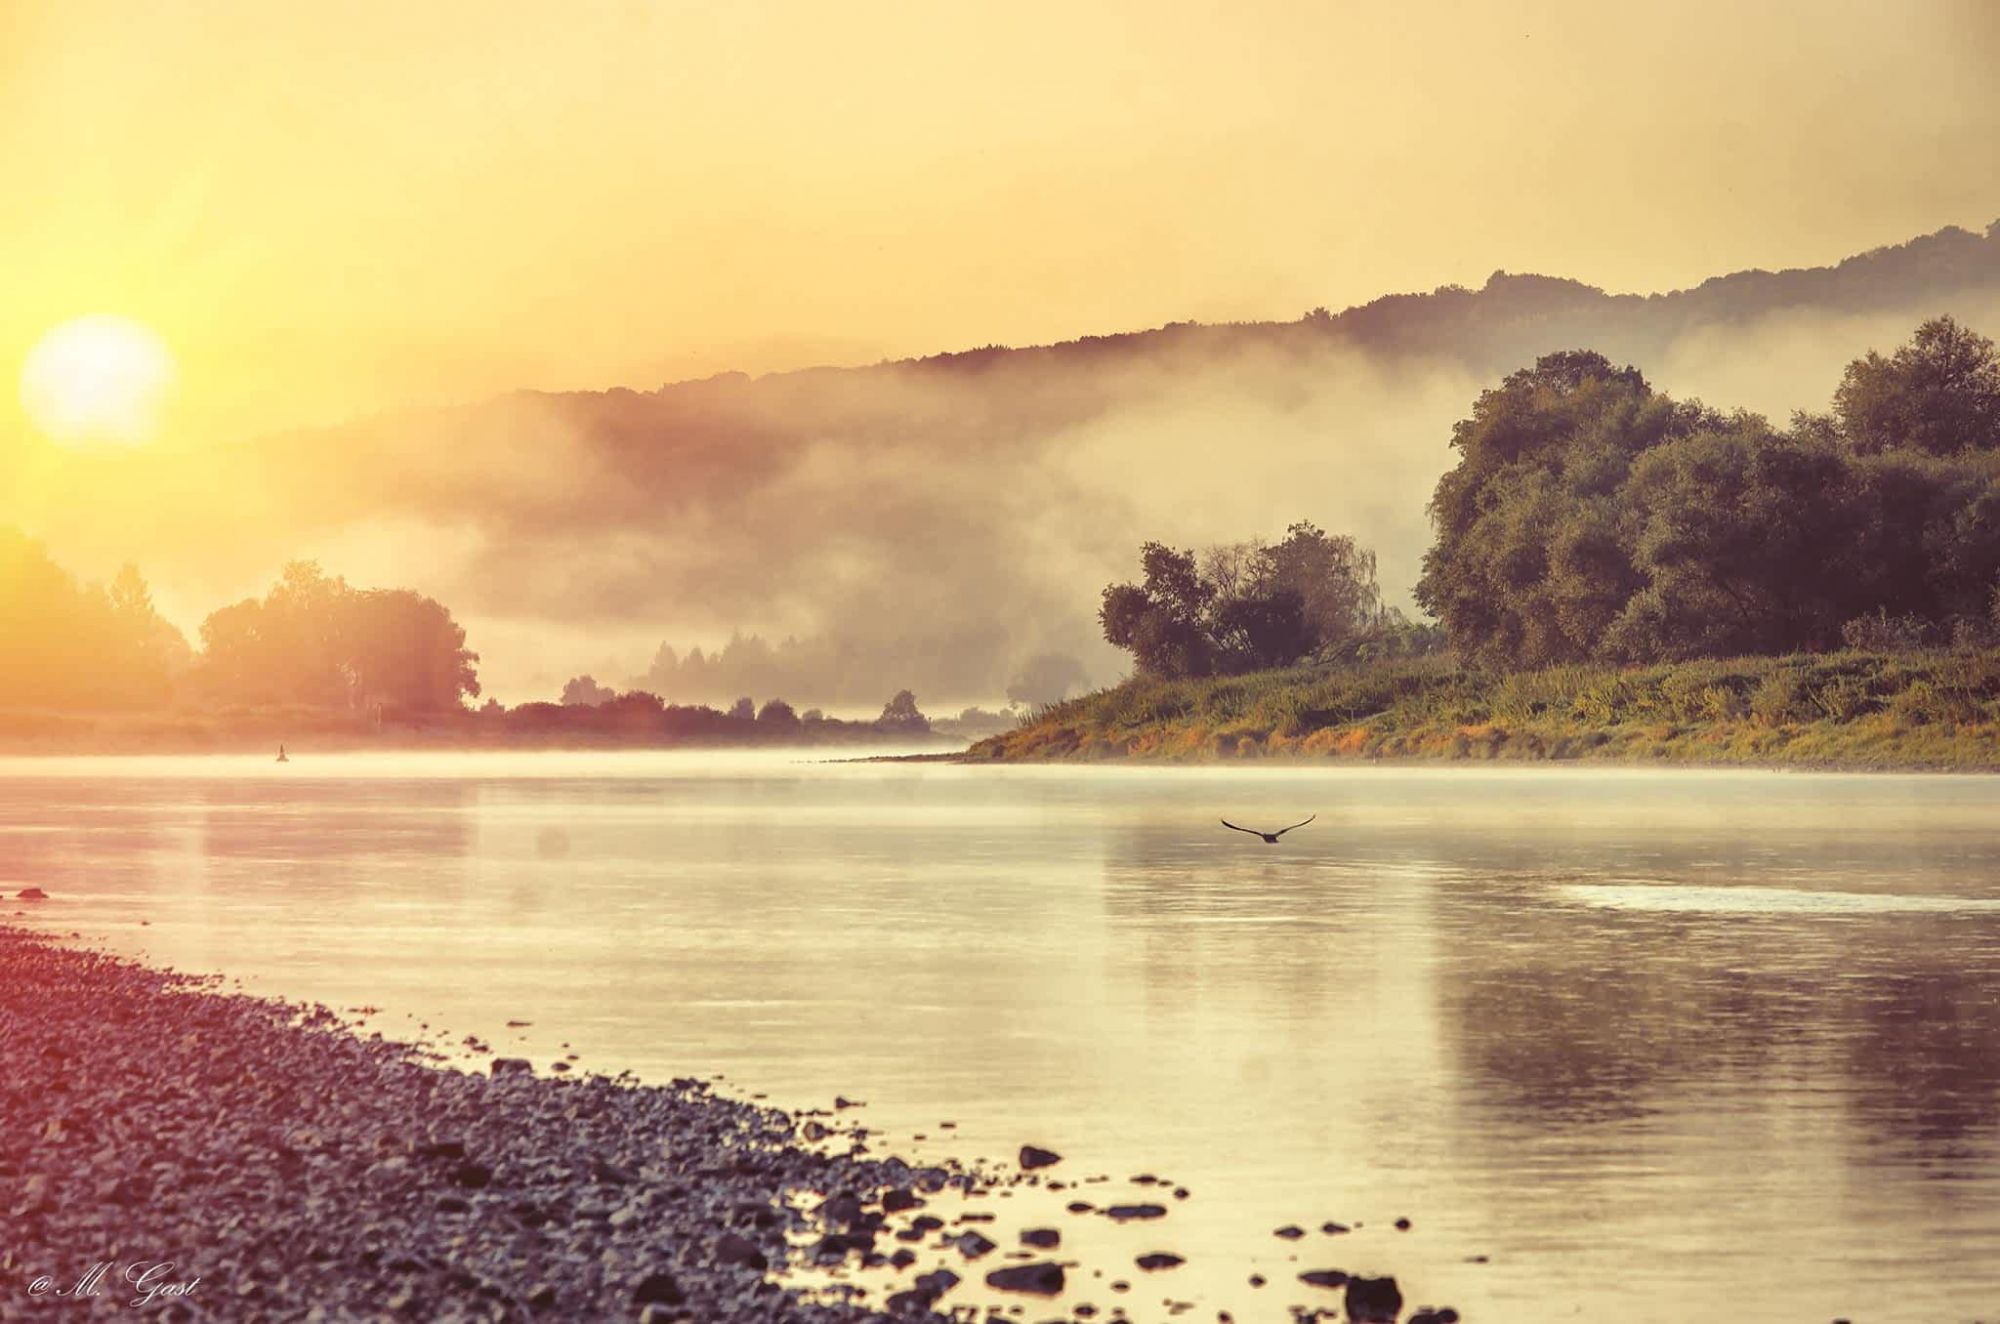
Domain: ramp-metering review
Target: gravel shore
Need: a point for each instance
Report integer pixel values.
(289, 1167)
(208, 1155)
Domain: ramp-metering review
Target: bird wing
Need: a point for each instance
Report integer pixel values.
(1301, 823)
(1252, 831)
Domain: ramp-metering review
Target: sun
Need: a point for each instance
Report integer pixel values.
(97, 380)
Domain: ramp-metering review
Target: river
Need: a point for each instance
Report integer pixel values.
(1628, 1044)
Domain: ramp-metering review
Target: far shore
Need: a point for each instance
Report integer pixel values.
(1853, 712)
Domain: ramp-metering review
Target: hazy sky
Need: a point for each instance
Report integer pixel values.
(327, 209)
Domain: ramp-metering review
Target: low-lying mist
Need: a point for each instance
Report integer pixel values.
(932, 525)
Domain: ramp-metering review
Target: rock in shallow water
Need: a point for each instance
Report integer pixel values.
(1033, 1157)
(1041, 1279)
(1373, 1300)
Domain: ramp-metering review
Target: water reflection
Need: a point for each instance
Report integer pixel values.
(1597, 1028)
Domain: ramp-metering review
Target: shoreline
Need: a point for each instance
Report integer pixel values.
(198, 1153)
(282, 1165)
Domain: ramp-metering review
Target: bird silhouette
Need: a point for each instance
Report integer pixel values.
(1271, 838)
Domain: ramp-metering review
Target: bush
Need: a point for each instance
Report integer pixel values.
(1781, 698)
(1880, 632)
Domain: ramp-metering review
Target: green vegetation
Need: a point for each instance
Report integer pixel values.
(1617, 575)
(1938, 710)
(1590, 518)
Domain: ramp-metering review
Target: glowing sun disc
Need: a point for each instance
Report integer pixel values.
(97, 379)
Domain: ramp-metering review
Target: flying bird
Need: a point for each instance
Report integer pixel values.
(1270, 838)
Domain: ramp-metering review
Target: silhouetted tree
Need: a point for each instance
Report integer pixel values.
(901, 714)
(778, 715)
(743, 710)
(70, 645)
(585, 692)
(314, 640)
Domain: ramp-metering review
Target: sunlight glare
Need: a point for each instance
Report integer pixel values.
(97, 379)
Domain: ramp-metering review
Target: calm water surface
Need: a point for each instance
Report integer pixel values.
(1657, 1045)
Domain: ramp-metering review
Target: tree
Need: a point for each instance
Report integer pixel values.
(1589, 518)
(68, 645)
(585, 692)
(1160, 622)
(778, 715)
(1243, 606)
(404, 650)
(901, 714)
(1939, 394)
(1332, 576)
(743, 710)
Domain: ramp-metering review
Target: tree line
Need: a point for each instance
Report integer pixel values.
(312, 640)
(1591, 518)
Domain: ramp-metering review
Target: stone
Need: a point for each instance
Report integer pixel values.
(658, 1288)
(1373, 1300)
(1043, 1278)
(1324, 1278)
(1042, 1238)
(731, 1248)
(1033, 1157)
(1120, 1213)
(1159, 1260)
(513, 1066)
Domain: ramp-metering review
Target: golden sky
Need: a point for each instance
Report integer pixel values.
(329, 209)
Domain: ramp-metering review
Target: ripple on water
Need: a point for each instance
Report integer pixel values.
(1681, 898)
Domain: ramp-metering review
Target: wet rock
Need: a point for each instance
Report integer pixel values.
(1159, 1260)
(1120, 1213)
(730, 1248)
(1080, 1207)
(1290, 1232)
(31, 894)
(1334, 1229)
(938, 1281)
(1033, 1157)
(896, 1200)
(1373, 1300)
(1040, 1279)
(658, 1288)
(972, 1245)
(542, 1296)
(1324, 1278)
(472, 1176)
(1425, 1315)
(1042, 1238)
(1402, 1225)
(513, 1066)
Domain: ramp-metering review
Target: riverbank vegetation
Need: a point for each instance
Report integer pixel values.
(95, 668)
(1616, 574)
(1854, 709)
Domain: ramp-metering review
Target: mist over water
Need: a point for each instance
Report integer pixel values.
(1657, 1045)
(932, 524)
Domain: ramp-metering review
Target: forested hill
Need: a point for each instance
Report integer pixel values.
(1509, 319)
(588, 529)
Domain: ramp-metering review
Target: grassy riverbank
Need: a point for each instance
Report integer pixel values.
(1835, 710)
